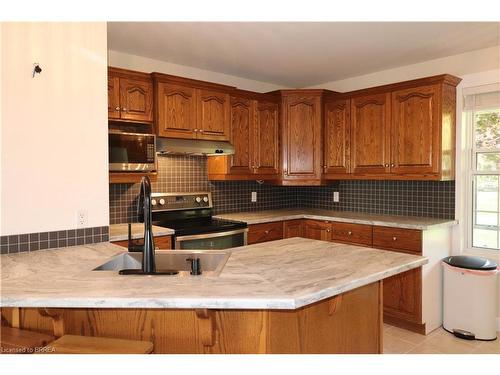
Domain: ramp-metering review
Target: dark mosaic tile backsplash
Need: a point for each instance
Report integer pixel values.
(189, 174)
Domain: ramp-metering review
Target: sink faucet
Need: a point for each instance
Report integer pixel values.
(145, 215)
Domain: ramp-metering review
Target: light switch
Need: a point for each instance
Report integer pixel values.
(254, 196)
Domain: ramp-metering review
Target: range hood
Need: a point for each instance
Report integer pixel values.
(169, 146)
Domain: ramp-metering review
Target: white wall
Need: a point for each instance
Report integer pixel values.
(54, 127)
(459, 65)
(144, 64)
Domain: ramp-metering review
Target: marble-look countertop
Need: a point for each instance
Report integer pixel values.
(284, 274)
(119, 232)
(409, 222)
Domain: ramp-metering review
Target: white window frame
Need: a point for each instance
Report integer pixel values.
(462, 233)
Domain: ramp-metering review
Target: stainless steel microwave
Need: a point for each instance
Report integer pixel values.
(131, 152)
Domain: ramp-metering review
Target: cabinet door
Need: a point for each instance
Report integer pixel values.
(213, 112)
(403, 296)
(136, 100)
(318, 230)
(337, 137)
(370, 134)
(113, 97)
(302, 145)
(242, 136)
(415, 130)
(293, 228)
(266, 138)
(176, 108)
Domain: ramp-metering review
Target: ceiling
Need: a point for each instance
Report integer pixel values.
(299, 54)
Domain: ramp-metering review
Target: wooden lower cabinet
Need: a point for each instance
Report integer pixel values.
(161, 243)
(348, 323)
(265, 232)
(293, 228)
(318, 230)
(357, 234)
(403, 298)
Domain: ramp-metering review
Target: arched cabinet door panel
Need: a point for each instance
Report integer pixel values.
(176, 111)
(415, 130)
(213, 112)
(242, 136)
(136, 100)
(371, 134)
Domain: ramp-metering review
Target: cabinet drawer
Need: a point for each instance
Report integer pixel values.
(265, 232)
(352, 233)
(406, 240)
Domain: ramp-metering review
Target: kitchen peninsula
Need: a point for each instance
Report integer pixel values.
(295, 295)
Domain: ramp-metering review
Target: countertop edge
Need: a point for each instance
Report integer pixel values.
(343, 220)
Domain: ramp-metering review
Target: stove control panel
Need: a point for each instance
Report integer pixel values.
(180, 201)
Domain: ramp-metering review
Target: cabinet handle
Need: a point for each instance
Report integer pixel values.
(349, 233)
(394, 238)
(117, 108)
(124, 109)
(393, 165)
(195, 130)
(266, 232)
(328, 230)
(201, 130)
(387, 165)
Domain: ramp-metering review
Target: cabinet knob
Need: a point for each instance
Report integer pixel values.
(266, 232)
(394, 238)
(349, 233)
(387, 165)
(117, 108)
(393, 165)
(124, 109)
(328, 230)
(201, 130)
(195, 130)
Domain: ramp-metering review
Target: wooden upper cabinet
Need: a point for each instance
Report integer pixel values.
(136, 99)
(213, 113)
(113, 97)
(337, 137)
(302, 137)
(130, 96)
(242, 136)
(415, 130)
(266, 140)
(371, 134)
(176, 111)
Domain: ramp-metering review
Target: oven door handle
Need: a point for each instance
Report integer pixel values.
(180, 239)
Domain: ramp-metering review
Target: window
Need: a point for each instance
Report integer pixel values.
(482, 114)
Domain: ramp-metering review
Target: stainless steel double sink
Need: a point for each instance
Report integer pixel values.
(212, 261)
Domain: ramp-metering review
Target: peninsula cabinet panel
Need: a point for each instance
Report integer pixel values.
(213, 115)
(176, 111)
(318, 230)
(242, 136)
(113, 97)
(293, 228)
(267, 138)
(403, 296)
(371, 134)
(415, 130)
(136, 99)
(302, 138)
(337, 137)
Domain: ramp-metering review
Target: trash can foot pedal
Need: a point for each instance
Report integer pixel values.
(466, 335)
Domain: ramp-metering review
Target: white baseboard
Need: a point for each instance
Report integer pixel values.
(498, 324)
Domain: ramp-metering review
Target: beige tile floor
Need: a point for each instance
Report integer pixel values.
(400, 341)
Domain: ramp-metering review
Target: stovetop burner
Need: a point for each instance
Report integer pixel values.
(189, 214)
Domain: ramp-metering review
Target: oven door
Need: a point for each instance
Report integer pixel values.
(212, 241)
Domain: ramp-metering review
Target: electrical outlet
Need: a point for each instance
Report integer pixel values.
(82, 219)
(254, 196)
(336, 196)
